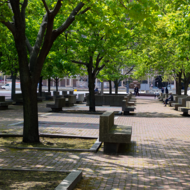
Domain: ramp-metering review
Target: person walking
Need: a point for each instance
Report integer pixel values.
(166, 90)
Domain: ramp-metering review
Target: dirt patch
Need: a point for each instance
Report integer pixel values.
(23, 180)
(45, 142)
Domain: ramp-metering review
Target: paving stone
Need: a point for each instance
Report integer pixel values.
(159, 156)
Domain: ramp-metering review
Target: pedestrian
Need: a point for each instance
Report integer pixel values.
(170, 98)
(162, 90)
(166, 90)
(137, 91)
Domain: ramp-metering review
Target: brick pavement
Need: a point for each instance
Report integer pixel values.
(159, 157)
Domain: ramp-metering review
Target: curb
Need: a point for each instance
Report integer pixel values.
(50, 135)
(70, 181)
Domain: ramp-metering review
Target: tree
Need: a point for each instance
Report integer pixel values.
(118, 69)
(9, 59)
(31, 59)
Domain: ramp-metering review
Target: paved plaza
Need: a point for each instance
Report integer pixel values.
(158, 158)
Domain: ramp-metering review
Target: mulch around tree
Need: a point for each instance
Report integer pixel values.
(45, 142)
(33, 180)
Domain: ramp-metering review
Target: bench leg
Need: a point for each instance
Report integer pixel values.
(3, 107)
(185, 113)
(56, 109)
(126, 112)
(111, 148)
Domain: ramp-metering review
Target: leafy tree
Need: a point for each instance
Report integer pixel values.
(9, 59)
(31, 59)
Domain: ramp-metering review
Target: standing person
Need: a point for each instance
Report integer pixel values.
(166, 90)
(162, 90)
(137, 91)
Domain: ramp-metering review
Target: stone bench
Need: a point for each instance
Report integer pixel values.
(127, 108)
(47, 95)
(181, 102)
(59, 103)
(175, 100)
(4, 104)
(80, 98)
(113, 136)
(70, 100)
(185, 109)
(109, 100)
(18, 99)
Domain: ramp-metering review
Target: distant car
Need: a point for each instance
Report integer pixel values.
(5, 86)
(9, 85)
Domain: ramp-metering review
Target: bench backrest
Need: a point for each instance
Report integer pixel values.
(55, 93)
(60, 102)
(124, 104)
(72, 99)
(180, 100)
(47, 93)
(64, 92)
(106, 122)
(17, 96)
(80, 97)
(2, 98)
(188, 104)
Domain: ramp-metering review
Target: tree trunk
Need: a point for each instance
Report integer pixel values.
(91, 86)
(49, 83)
(13, 85)
(116, 86)
(30, 131)
(186, 84)
(110, 86)
(56, 84)
(40, 86)
(178, 83)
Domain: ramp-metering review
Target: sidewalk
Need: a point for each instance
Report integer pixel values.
(159, 157)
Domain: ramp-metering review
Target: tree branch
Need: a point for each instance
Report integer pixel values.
(39, 40)
(129, 70)
(46, 7)
(69, 20)
(24, 5)
(10, 26)
(78, 62)
(57, 8)
(84, 11)
(29, 47)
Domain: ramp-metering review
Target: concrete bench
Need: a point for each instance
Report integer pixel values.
(175, 100)
(181, 102)
(126, 108)
(64, 93)
(113, 136)
(109, 100)
(70, 100)
(80, 98)
(18, 99)
(129, 101)
(161, 97)
(47, 95)
(56, 94)
(59, 103)
(185, 109)
(4, 104)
